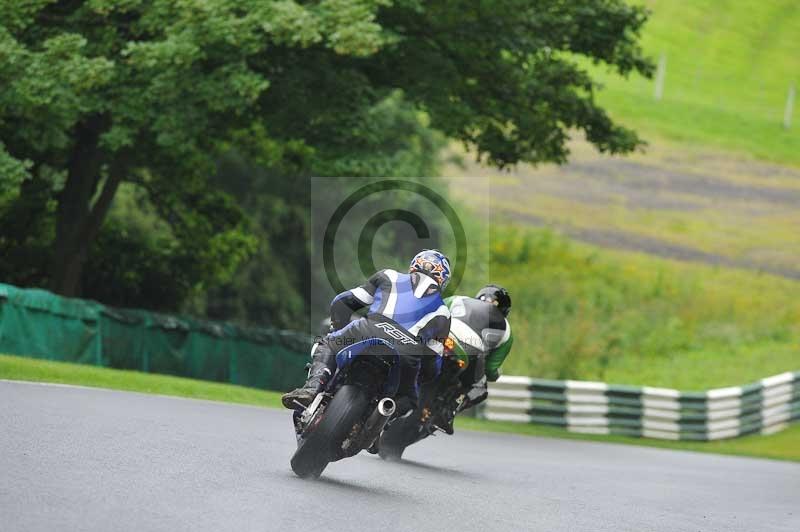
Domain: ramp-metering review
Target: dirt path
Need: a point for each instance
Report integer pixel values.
(670, 202)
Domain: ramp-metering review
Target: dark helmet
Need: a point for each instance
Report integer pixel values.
(497, 296)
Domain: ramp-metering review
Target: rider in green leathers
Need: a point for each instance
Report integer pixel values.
(482, 332)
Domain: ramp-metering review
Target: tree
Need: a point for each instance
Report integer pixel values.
(101, 92)
(272, 182)
(104, 91)
(502, 76)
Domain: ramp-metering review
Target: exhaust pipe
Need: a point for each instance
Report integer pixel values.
(377, 420)
(386, 406)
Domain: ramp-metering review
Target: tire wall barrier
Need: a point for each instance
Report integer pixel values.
(764, 407)
(36, 323)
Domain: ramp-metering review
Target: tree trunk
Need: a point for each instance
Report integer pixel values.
(77, 220)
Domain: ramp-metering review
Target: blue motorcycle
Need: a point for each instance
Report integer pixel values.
(352, 410)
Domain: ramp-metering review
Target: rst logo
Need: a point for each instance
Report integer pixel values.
(395, 333)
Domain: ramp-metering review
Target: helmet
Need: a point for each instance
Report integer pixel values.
(432, 263)
(497, 296)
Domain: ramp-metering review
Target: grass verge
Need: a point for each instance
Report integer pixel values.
(783, 446)
(29, 369)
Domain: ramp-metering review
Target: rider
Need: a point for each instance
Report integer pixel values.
(406, 310)
(480, 327)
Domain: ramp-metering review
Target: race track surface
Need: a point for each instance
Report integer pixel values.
(97, 460)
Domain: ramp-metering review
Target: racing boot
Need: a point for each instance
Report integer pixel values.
(318, 375)
(446, 424)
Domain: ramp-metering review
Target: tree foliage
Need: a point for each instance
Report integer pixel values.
(271, 181)
(154, 93)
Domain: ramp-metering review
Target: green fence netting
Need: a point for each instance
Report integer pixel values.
(39, 324)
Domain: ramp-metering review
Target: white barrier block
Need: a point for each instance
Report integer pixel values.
(782, 378)
(587, 409)
(777, 400)
(509, 394)
(722, 434)
(590, 430)
(661, 435)
(723, 404)
(780, 417)
(780, 389)
(595, 398)
(513, 405)
(725, 424)
(660, 392)
(671, 415)
(775, 410)
(587, 421)
(654, 424)
(724, 393)
(660, 404)
(516, 418)
(594, 395)
(772, 429)
(715, 415)
(587, 386)
(513, 380)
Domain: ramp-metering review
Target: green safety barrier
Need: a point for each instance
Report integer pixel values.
(765, 407)
(39, 324)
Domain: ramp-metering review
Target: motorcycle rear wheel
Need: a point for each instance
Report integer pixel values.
(321, 446)
(400, 434)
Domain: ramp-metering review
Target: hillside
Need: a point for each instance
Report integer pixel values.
(581, 312)
(729, 66)
(676, 268)
(674, 201)
(679, 265)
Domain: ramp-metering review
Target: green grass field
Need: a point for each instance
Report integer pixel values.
(729, 68)
(784, 445)
(586, 313)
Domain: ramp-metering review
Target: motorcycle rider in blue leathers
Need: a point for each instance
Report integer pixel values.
(406, 310)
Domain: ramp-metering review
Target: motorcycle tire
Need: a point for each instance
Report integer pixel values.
(396, 437)
(320, 446)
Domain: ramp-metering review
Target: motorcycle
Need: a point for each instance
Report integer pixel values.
(439, 402)
(352, 410)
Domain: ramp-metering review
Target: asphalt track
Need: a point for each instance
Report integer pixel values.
(88, 459)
